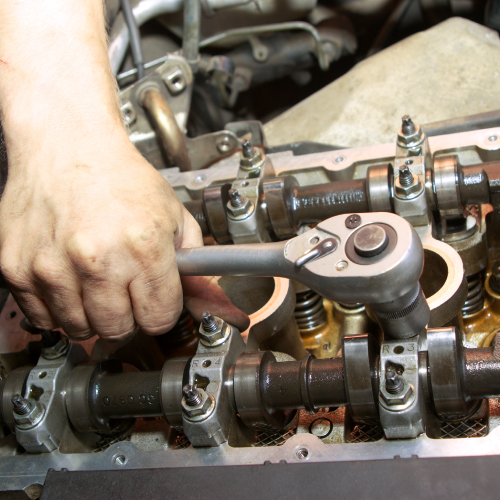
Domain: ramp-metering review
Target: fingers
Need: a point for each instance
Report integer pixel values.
(202, 293)
(36, 310)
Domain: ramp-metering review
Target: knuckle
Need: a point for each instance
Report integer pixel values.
(87, 257)
(146, 241)
(47, 269)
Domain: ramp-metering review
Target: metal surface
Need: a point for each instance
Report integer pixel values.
(277, 259)
(443, 350)
(402, 415)
(166, 128)
(359, 358)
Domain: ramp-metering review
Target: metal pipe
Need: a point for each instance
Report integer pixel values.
(191, 31)
(167, 130)
(143, 10)
(135, 38)
(490, 119)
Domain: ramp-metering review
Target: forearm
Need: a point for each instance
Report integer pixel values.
(55, 82)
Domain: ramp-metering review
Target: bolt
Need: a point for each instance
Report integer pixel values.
(353, 221)
(405, 176)
(408, 127)
(247, 150)
(21, 405)
(208, 322)
(191, 395)
(235, 198)
(370, 241)
(50, 338)
(393, 382)
(495, 277)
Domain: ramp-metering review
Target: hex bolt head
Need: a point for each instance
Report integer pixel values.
(353, 221)
(200, 408)
(370, 241)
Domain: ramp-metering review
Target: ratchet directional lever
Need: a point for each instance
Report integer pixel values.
(373, 258)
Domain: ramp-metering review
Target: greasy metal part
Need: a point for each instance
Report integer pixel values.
(264, 388)
(445, 358)
(402, 412)
(174, 80)
(278, 193)
(14, 384)
(446, 187)
(167, 129)
(215, 199)
(214, 331)
(309, 311)
(481, 368)
(475, 298)
(316, 203)
(481, 183)
(210, 367)
(174, 375)
(45, 386)
(82, 402)
(323, 58)
(359, 357)
(404, 317)
(207, 149)
(378, 186)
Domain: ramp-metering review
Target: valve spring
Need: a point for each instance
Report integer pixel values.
(475, 297)
(309, 310)
(185, 327)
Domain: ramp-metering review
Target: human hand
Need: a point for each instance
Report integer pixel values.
(88, 238)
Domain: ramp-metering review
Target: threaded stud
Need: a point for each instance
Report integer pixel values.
(21, 405)
(405, 176)
(247, 150)
(235, 198)
(393, 382)
(191, 395)
(208, 322)
(408, 127)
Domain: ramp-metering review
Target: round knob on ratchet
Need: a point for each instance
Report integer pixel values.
(370, 240)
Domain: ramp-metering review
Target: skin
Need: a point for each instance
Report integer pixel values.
(88, 228)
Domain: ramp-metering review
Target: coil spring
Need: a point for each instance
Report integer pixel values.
(309, 310)
(475, 297)
(184, 327)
